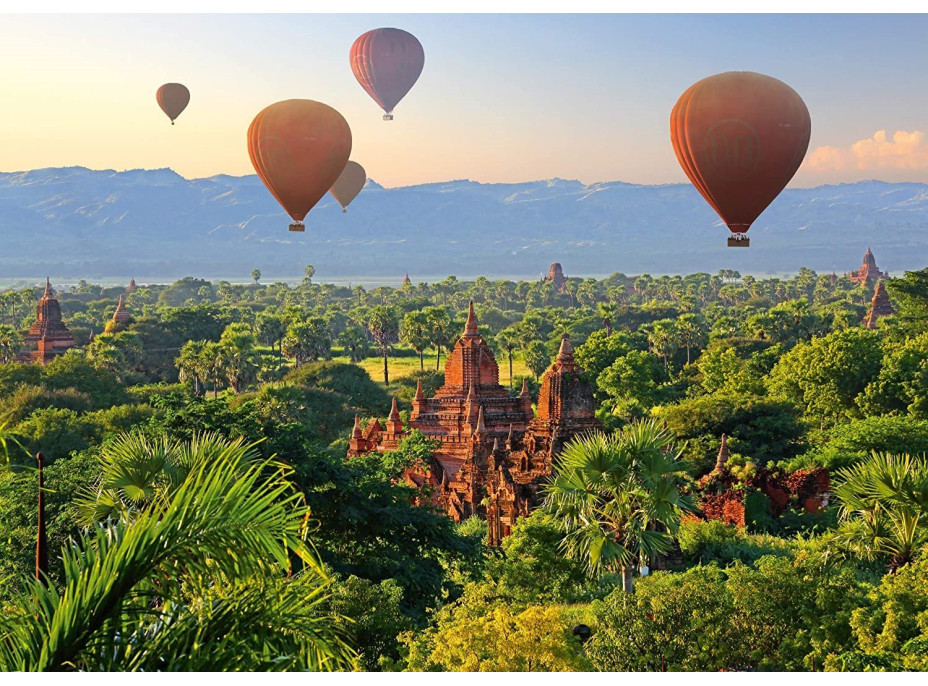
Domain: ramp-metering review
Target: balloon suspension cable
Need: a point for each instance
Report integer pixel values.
(388, 117)
(297, 226)
(344, 210)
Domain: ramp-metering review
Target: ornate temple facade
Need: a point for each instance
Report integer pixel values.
(879, 306)
(556, 276)
(48, 337)
(494, 454)
(868, 273)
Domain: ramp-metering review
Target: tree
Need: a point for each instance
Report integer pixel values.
(195, 576)
(607, 312)
(439, 330)
(355, 343)
(617, 498)
(690, 330)
(256, 275)
(238, 357)
(825, 375)
(190, 363)
(884, 507)
(509, 340)
(910, 299)
(306, 340)
(271, 329)
(416, 333)
(383, 323)
(10, 343)
(536, 357)
(309, 271)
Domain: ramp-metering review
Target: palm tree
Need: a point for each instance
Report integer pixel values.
(884, 507)
(617, 498)
(355, 343)
(204, 566)
(238, 356)
(383, 323)
(416, 330)
(190, 363)
(607, 312)
(439, 330)
(10, 343)
(8, 439)
(509, 340)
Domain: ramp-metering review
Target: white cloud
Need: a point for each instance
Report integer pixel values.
(905, 150)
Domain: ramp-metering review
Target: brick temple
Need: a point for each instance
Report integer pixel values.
(868, 273)
(556, 276)
(880, 306)
(494, 453)
(121, 317)
(48, 337)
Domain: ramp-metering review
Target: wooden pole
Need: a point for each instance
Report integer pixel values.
(41, 543)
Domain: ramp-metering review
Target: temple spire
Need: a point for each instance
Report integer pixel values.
(470, 329)
(481, 430)
(356, 433)
(524, 392)
(48, 288)
(723, 454)
(419, 394)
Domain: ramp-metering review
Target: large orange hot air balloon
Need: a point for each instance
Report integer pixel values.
(299, 148)
(387, 63)
(349, 184)
(173, 99)
(740, 137)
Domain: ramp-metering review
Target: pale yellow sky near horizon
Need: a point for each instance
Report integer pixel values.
(79, 90)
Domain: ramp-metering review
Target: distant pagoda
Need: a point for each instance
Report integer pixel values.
(406, 281)
(48, 337)
(556, 276)
(131, 287)
(121, 317)
(879, 306)
(868, 273)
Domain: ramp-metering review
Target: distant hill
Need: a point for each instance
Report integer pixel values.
(78, 222)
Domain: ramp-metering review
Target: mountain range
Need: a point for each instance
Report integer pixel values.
(77, 222)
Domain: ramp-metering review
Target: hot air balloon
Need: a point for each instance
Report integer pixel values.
(387, 63)
(740, 137)
(173, 99)
(299, 148)
(349, 184)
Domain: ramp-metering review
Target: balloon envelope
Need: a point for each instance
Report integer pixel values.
(740, 137)
(299, 148)
(387, 63)
(349, 184)
(173, 99)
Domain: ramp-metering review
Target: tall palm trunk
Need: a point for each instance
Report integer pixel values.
(510, 368)
(386, 373)
(422, 360)
(628, 579)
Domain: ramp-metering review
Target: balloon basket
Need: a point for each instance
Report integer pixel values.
(739, 242)
(298, 226)
(388, 117)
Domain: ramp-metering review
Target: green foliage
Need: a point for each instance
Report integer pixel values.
(349, 381)
(532, 569)
(884, 507)
(826, 375)
(196, 578)
(616, 498)
(57, 433)
(376, 618)
(479, 634)
(853, 442)
(762, 429)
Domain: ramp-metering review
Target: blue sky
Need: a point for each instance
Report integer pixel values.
(502, 97)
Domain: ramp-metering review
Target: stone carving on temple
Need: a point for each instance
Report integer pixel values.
(48, 337)
(493, 453)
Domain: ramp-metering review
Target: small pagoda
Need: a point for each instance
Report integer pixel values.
(48, 337)
(868, 273)
(556, 276)
(121, 317)
(879, 306)
(406, 280)
(131, 287)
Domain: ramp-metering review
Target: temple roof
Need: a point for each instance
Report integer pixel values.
(471, 364)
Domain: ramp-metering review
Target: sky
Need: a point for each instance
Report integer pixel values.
(502, 98)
